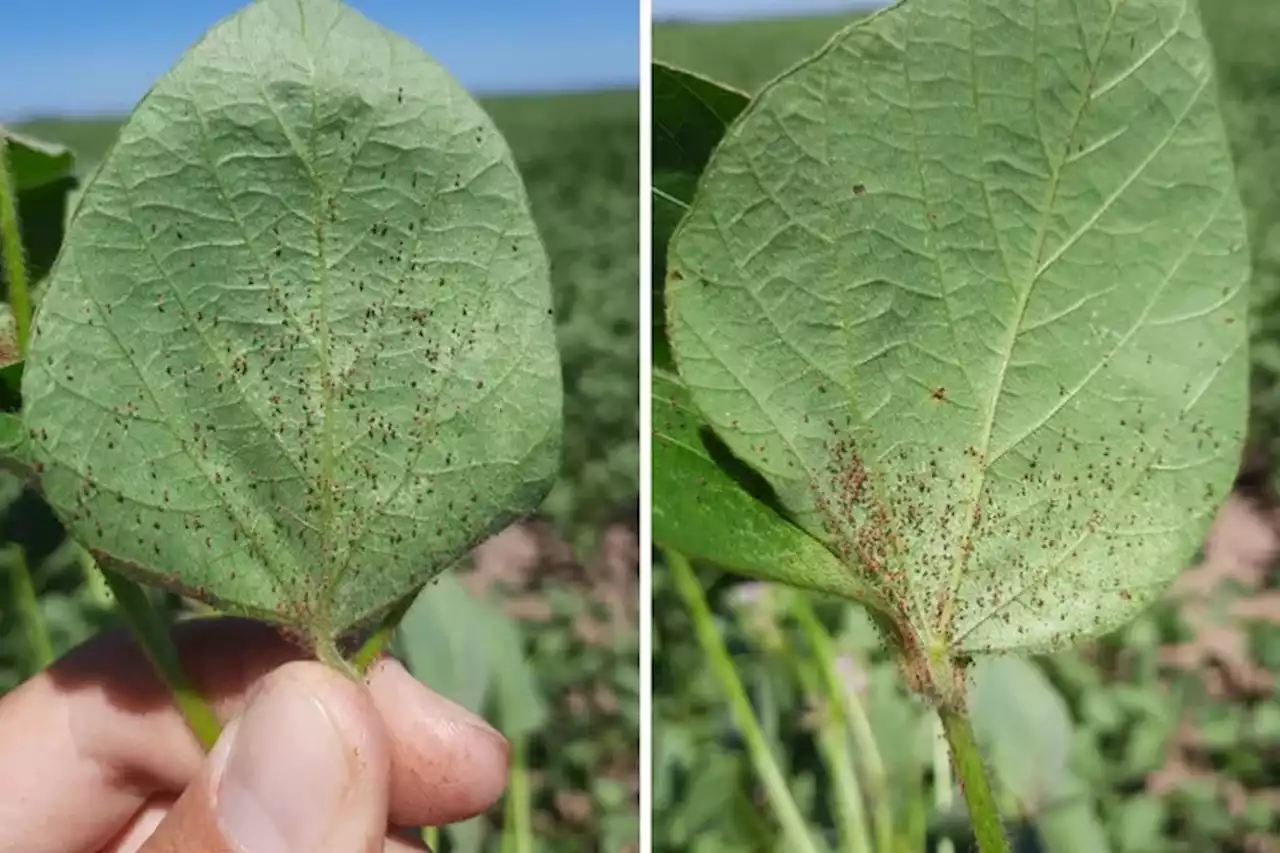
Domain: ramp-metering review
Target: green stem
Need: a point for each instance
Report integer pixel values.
(327, 652)
(95, 583)
(984, 815)
(519, 823)
(784, 805)
(855, 716)
(15, 269)
(846, 795)
(943, 797)
(153, 635)
(915, 831)
(28, 607)
(377, 641)
(431, 837)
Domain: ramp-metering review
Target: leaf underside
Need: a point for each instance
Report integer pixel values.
(968, 289)
(702, 512)
(297, 356)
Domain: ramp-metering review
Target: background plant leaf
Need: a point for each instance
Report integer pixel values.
(467, 649)
(702, 512)
(1024, 728)
(968, 289)
(35, 163)
(690, 115)
(318, 317)
(444, 641)
(43, 175)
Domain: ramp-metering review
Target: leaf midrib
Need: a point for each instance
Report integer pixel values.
(325, 341)
(947, 611)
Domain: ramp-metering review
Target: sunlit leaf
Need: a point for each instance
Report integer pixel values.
(968, 289)
(297, 355)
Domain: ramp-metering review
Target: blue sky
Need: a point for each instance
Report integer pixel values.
(101, 56)
(724, 9)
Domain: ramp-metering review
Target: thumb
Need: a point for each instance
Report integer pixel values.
(303, 770)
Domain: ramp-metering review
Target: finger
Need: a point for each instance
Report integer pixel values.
(85, 745)
(146, 821)
(304, 770)
(448, 764)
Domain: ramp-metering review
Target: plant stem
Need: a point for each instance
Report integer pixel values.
(153, 635)
(377, 641)
(518, 826)
(28, 607)
(984, 815)
(99, 592)
(15, 268)
(327, 652)
(942, 793)
(855, 716)
(784, 805)
(431, 837)
(833, 742)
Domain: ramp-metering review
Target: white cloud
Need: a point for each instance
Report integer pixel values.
(755, 8)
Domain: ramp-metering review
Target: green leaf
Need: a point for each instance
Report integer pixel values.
(519, 706)
(35, 163)
(442, 640)
(1024, 727)
(690, 115)
(467, 649)
(13, 436)
(297, 355)
(44, 176)
(701, 511)
(968, 289)
(1071, 824)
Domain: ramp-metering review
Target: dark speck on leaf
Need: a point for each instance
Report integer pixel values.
(859, 189)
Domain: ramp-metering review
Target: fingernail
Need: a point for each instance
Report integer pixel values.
(287, 773)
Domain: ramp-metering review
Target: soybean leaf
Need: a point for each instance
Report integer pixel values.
(43, 175)
(520, 707)
(701, 511)
(968, 288)
(690, 114)
(14, 447)
(466, 648)
(1071, 824)
(1025, 728)
(467, 836)
(297, 354)
(36, 163)
(444, 641)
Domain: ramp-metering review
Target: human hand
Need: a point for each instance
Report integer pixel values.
(94, 758)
